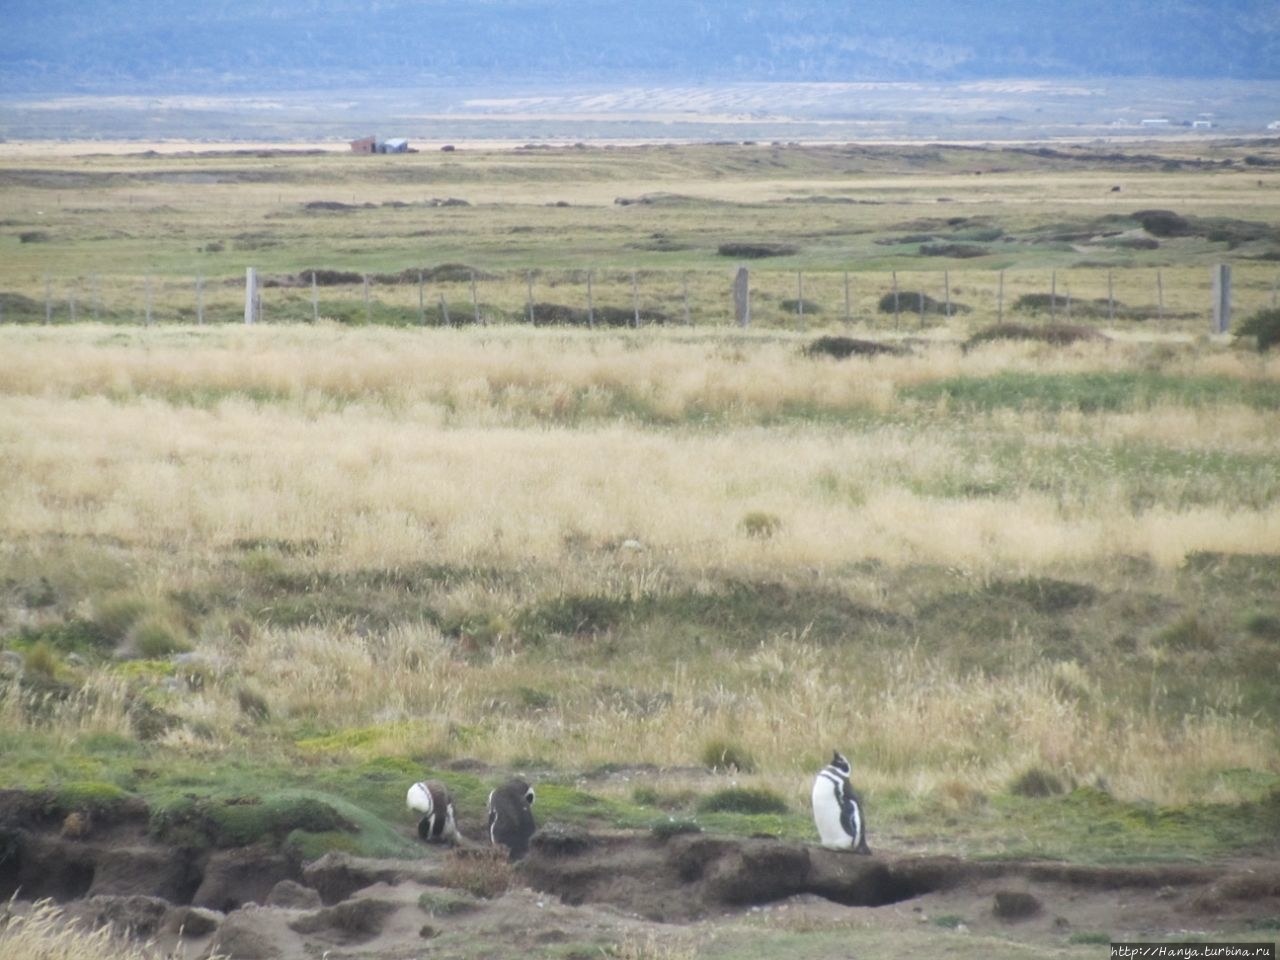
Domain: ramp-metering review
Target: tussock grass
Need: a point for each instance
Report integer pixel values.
(43, 932)
(533, 547)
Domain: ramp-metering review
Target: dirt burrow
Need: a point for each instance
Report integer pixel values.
(575, 885)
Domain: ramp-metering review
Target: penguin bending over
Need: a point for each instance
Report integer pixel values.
(432, 799)
(511, 821)
(837, 811)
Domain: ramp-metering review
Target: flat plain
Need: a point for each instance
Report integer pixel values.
(1015, 555)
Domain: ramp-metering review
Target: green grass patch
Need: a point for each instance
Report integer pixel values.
(1092, 392)
(1118, 831)
(1090, 938)
(88, 797)
(309, 822)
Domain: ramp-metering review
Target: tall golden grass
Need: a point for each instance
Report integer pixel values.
(43, 931)
(617, 465)
(469, 446)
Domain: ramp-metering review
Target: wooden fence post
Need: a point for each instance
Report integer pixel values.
(250, 295)
(1221, 298)
(444, 312)
(742, 297)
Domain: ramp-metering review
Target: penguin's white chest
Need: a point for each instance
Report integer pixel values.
(827, 810)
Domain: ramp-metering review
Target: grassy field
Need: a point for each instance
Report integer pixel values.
(1028, 589)
(107, 235)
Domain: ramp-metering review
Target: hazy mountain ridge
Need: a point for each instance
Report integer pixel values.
(131, 45)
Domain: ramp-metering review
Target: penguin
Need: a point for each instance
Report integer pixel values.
(511, 817)
(432, 799)
(837, 812)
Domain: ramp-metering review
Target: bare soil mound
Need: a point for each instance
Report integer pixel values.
(579, 887)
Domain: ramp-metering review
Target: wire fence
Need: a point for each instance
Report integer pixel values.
(1196, 299)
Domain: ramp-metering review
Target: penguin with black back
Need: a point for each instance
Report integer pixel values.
(511, 821)
(837, 810)
(432, 799)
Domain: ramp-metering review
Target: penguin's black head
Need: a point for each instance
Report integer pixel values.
(840, 763)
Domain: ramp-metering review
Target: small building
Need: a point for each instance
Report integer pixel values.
(395, 145)
(364, 145)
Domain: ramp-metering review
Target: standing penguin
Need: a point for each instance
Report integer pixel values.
(432, 799)
(511, 817)
(836, 809)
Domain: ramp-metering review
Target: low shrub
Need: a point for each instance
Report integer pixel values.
(742, 800)
(576, 615)
(41, 659)
(760, 525)
(671, 827)
(1058, 334)
(956, 251)
(910, 301)
(1264, 327)
(1188, 635)
(756, 251)
(726, 755)
(1045, 594)
(485, 873)
(1265, 626)
(115, 615)
(1163, 223)
(841, 348)
(156, 636)
(1036, 782)
(253, 704)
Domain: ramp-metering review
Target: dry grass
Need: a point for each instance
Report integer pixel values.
(405, 446)
(41, 931)
(622, 467)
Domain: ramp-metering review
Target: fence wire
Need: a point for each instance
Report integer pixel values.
(1172, 299)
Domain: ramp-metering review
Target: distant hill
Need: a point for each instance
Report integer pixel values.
(142, 45)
